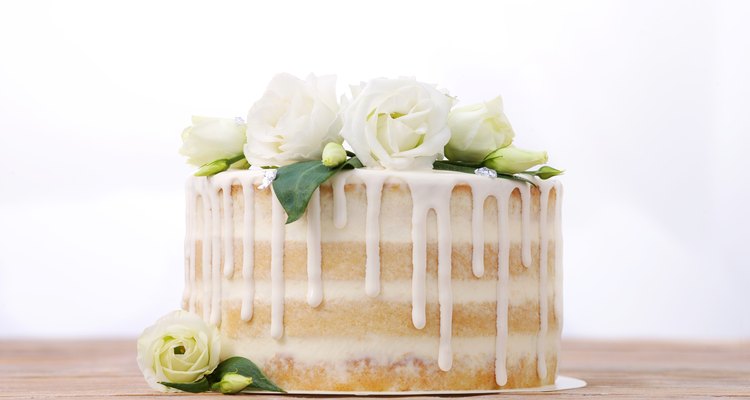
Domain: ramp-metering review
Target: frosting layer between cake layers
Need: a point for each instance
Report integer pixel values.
(392, 281)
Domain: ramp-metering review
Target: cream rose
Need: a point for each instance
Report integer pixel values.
(477, 130)
(210, 139)
(397, 123)
(179, 348)
(293, 121)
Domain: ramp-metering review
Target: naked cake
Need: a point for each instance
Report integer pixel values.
(383, 268)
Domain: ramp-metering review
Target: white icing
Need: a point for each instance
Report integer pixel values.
(228, 227)
(522, 292)
(378, 349)
(445, 292)
(278, 218)
(248, 248)
(430, 191)
(374, 188)
(419, 267)
(206, 247)
(503, 276)
(338, 185)
(213, 196)
(525, 225)
(314, 282)
(190, 228)
(558, 258)
(425, 197)
(543, 255)
(479, 195)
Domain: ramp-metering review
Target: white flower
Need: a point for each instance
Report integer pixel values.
(210, 139)
(512, 160)
(293, 121)
(477, 130)
(232, 383)
(179, 348)
(334, 155)
(397, 123)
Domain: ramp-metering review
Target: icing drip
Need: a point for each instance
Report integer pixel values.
(426, 197)
(525, 225)
(558, 254)
(338, 184)
(248, 249)
(189, 294)
(445, 293)
(543, 312)
(374, 190)
(419, 266)
(213, 197)
(503, 277)
(314, 283)
(228, 225)
(277, 268)
(479, 195)
(206, 247)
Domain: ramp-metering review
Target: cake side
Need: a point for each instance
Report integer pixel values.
(457, 320)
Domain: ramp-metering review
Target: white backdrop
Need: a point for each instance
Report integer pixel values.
(645, 104)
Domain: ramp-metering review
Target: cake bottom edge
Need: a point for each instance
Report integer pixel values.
(405, 374)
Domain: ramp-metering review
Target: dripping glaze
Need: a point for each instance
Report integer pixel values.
(430, 192)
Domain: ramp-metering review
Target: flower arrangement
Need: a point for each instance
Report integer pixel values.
(297, 128)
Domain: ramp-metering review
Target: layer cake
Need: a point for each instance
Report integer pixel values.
(392, 281)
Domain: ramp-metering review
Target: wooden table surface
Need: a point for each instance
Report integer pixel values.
(618, 370)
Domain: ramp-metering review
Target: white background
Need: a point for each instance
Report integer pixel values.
(645, 104)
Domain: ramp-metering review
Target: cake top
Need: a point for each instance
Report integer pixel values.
(303, 135)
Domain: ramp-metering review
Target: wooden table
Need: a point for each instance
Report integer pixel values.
(620, 370)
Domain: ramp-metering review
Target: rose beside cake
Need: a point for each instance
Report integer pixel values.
(386, 268)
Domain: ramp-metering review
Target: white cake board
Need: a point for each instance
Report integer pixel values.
(561, 383)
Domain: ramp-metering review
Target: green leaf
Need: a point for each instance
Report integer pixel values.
(244, 367)
(470, 168)
(352, 163)
(455, 166)
(199, 386)
(295, 184)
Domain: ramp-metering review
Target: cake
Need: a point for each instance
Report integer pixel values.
(392, 281)
(383, 268)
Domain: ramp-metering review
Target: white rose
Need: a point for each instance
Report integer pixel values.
(211, 139)
(477, 130)
(179, 348)
(293, 121)
(397, 123)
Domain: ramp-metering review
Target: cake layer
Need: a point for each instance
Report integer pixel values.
(346, 260)
(365, 317)
(383, 363)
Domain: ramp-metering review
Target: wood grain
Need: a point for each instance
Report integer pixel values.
(618, 370)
